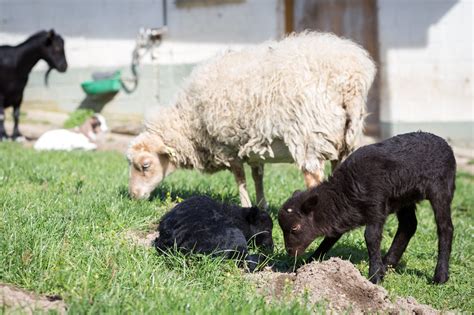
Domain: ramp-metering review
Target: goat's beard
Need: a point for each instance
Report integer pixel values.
(46, 76)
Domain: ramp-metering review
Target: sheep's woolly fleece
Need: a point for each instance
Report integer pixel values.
(308, 90)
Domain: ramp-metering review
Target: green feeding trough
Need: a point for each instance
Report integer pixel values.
(103, 82)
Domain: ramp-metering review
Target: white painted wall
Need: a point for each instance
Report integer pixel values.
(100, 36)
(101, 33)
(426, 52)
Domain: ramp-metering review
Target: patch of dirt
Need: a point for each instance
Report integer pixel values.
(15, 300)
(142, 238)
(339, 284)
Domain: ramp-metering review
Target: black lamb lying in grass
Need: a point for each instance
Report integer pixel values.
(202, 225)
(374, 181)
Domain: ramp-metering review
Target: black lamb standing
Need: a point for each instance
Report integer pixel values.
(16, 63)
(374, 181)
(201, 225)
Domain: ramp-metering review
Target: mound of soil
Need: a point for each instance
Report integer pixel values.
(142, 238)
(339, 284)
(15, 300)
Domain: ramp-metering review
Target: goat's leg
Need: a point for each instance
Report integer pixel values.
(325, 246)
(442, 211)
(406, 228)
(16, 136)
(314, 178)
(3, 133)
(373, 237)
(237, 169)
(257, 174)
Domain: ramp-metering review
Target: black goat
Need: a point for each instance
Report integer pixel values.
(374, 181)
(16, 63)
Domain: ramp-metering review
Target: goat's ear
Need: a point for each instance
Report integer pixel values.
(252, 214)
(49, 37)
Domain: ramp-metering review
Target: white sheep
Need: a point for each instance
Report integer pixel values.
(300, 100)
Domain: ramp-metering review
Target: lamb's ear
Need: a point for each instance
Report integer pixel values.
(296, 193)
(309, 203)
(252, 214)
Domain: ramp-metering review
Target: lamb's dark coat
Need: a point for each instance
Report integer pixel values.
(16, 63)
(374, 181)
(202, 225)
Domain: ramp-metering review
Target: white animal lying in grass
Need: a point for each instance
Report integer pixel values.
(79, 138)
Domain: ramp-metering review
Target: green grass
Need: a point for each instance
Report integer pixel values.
(78, 117)
(64, 217)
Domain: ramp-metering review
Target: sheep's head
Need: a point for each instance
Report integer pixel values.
(149, 162)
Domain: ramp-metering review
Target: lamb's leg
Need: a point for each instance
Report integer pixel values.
(324, 247)
(314, 178)
(442, 210)
(16, 119)
(406, 228)
(3, 133)
(237, 169)
(373, 237)
(257, 174)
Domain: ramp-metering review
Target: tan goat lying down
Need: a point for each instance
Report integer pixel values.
(298, 100)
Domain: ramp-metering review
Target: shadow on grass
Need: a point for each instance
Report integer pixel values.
(164, 192)
(282, 262)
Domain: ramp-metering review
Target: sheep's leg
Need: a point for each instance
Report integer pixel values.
(237, 169)
(325, 246)
(3, 133)
(406, 228)
(16, 119)
(257, 174)
(442, 210)
(315, 178)
(373, 237)
(335, 164)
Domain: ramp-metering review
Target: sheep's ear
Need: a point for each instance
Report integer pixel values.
(252, 214)
(166, 150)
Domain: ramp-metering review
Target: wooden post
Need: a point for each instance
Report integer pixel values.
(289, 16)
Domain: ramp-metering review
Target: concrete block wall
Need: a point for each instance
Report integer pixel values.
(426, 52)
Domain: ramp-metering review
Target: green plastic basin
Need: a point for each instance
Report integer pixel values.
(102, 86)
